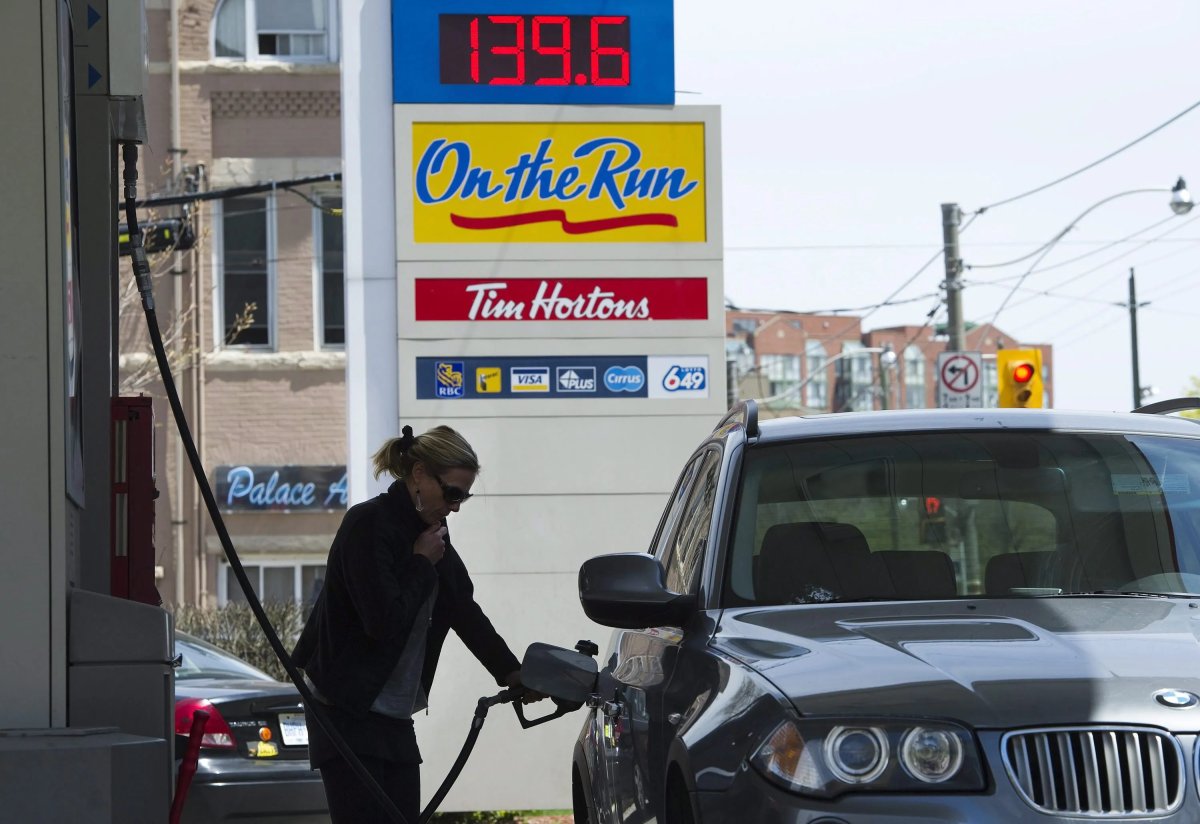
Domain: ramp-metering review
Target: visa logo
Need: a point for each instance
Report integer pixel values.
(529, 378)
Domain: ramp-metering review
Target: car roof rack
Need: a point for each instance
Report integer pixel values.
(1168, 406)
(743, 412)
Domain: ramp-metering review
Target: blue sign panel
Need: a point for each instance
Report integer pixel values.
(617, 376)
(533, 51)
(256, 488)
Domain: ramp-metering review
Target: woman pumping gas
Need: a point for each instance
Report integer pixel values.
(394, 587)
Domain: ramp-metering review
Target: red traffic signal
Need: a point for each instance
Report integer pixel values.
(1023, 373)
(1019, 378)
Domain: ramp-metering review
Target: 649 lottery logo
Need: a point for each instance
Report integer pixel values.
(685, 378)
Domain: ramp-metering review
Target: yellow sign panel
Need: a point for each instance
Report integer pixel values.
(488, 380)
(558, 183)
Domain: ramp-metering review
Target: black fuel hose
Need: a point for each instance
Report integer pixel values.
(481, 711)
(141, 271)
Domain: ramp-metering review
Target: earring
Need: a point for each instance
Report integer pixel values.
(420, 506)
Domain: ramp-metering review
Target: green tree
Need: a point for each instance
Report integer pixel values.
(1192, 391)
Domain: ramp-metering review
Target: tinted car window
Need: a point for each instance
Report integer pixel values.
(203, 660)
(690, 539)
(944, 515)
(675, 509)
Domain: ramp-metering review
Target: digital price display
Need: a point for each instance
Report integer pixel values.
(538, 50)
(533, 51)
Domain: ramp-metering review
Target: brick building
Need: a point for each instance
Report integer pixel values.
(808, 362)
(252, 94)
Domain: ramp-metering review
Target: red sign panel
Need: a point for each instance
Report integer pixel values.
(569, 299)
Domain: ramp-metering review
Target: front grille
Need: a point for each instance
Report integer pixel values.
(1110, 772)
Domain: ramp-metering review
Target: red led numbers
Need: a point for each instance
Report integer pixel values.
(563, 49)
(541, 50)
(599, 51)
(516, 49)
(475, 49)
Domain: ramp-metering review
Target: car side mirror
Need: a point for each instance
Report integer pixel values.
(565, 675)
(629, 591)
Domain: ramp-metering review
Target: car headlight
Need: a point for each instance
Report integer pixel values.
(828, 757)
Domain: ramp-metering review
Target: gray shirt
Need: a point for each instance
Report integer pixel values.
(403, 694)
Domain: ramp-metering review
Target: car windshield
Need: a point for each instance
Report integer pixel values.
(200, 659)
(966, 514)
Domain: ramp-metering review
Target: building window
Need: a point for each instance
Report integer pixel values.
(783, 375)
(295, 30)
(816, 393)
(245, 271)
(745, 326)
(275, 581)
(914, 378)
(331, 273)
(855, 381)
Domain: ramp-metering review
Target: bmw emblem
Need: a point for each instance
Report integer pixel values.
(1177, 699)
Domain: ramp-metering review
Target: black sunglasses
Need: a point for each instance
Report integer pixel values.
(451, 494)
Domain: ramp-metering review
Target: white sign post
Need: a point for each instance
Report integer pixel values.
(960, 380)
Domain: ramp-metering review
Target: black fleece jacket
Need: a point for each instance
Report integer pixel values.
(374, 586)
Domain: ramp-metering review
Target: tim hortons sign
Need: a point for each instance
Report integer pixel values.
(560, 299)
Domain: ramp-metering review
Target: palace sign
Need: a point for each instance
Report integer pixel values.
(560, 299)
(558, 182)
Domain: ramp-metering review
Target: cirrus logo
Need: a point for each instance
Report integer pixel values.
(624, 379)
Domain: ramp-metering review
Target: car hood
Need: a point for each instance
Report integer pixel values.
(989, 663)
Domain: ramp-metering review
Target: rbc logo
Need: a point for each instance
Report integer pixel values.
(624, 379)
(448, 379)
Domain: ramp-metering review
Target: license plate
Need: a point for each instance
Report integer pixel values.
(293, 729)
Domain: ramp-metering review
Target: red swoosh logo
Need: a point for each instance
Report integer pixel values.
(558, 215)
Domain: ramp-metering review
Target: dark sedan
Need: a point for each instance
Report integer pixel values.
(980, 616)
(254, 755)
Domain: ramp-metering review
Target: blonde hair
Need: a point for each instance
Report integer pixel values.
(440, 448)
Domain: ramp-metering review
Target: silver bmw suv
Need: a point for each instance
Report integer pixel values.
(912, 616)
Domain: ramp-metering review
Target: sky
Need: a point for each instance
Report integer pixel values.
(846, 123)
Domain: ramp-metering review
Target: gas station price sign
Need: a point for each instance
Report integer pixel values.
(533, 51)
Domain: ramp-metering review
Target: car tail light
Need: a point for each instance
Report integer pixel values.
(217, 734)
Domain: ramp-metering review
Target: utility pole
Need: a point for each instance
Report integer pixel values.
(951, 218)
(883, 383)
(1133, 307)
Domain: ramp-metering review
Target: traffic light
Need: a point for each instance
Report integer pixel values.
(1019, 378)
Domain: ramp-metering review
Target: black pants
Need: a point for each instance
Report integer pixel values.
(350, 802)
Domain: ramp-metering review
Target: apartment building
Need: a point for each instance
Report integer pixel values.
(243, 92)
(828, 363)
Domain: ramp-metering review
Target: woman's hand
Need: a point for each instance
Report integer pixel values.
(431, 543)
(513, 679)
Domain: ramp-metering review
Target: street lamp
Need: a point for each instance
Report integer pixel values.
(1180, 203)
(1181, 199)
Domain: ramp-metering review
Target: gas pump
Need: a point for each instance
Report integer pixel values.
(133, 495)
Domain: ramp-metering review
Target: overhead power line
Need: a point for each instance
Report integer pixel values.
(1091, 165)
(1110, 244)
(238, 191)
